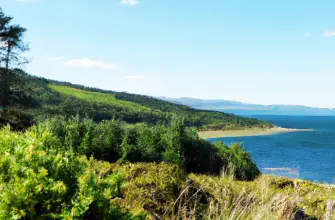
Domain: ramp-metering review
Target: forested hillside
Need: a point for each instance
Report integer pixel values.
(40, 98)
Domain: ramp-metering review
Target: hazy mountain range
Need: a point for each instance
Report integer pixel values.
(241, 108)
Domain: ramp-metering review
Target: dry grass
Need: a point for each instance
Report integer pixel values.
(165, 193)
(267, 198)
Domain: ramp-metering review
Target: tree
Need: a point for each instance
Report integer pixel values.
(11, 46)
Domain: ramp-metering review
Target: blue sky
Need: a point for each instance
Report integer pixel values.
(265, 52)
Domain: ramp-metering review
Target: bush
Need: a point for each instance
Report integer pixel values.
(116, 141)
(15, 118)
(38, 182)
(151, 187)
(239, 161)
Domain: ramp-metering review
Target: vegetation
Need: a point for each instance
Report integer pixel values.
(114, 141)
(221, 197)
(38, 182)
(266, 198)
(85, 153)
(11, 45)
(45, 98)
(49, 171)
(41, 181)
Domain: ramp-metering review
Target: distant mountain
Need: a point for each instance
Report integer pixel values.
(240, 108)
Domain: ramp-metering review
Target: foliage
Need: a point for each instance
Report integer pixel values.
(15, 118)
(50, 98)
(41, 179)
(11, 41)
(164, 192)
(265, 199)
(116, 141)
(103, 98)
(151, 187)
(38, 182)
(11, 45)
(49, 171)
(20, 93)
(153, 110)
(19, 99)
(238, 160)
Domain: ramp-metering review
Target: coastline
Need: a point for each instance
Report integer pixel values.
(248, 132)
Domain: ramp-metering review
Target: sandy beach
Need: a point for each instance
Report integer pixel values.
(248, 132)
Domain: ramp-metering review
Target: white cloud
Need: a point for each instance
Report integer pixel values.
(329, 34)
(307, 35)
(135, 77)
(129, 2)
(85, 62)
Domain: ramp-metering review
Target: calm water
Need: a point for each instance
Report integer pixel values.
(312, 153)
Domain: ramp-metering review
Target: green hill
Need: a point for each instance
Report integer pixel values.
(50, 97)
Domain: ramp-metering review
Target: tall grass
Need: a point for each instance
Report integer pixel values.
(267, 198)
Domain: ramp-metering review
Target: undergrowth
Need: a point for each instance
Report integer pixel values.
(46, 175)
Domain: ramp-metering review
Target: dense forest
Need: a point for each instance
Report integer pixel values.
(72, 152)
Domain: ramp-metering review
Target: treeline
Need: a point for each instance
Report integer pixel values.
(115, 141)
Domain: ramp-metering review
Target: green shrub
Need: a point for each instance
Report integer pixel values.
(151, 187)
(15, 118)
(116, 141)
(238, 160)
(42, 182)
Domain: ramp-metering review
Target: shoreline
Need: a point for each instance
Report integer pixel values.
(248, 132)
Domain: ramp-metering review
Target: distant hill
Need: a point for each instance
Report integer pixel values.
(240, 108)
(52, 97)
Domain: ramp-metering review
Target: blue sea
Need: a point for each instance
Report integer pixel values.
(307, 155)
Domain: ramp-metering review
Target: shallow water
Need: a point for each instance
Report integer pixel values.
(310, 153)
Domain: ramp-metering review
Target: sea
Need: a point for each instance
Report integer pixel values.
(308, 155)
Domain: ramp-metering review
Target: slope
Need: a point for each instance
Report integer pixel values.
(52, 97)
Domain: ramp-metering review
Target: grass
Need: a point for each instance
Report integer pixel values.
(267, 198)
(97, 97)
(140, 108)
(164, 191)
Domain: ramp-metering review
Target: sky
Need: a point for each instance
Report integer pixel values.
(260, 51)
